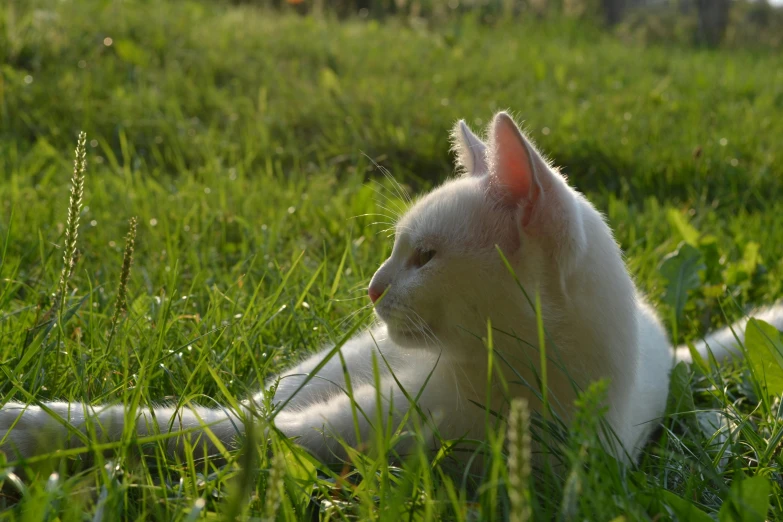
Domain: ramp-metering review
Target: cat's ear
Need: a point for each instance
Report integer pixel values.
(471, 151)
(521, 178)
(517, 168)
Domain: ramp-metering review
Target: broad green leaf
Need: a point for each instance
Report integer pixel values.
(748, 501)
(713, 425)
(697, 359)
(301, 471)
(765, 352)
(683, 509)
(681, 270)
(678, 222)
(681, 395)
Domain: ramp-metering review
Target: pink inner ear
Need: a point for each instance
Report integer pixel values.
(513, 168)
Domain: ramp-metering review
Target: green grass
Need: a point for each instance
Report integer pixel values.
(244, 142)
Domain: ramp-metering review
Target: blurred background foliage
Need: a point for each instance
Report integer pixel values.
(754, 23)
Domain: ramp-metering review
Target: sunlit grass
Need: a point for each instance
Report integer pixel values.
(238, 139)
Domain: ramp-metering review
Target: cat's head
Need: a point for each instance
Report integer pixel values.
(445, 277)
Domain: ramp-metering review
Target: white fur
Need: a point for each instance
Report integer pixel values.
(434, 315)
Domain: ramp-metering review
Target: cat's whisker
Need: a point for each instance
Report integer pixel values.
(392, 230)
(388, 231)
(419, 317)
(392, 200)
(392, 211)
(362, 308)
(382, 223)
(409, 324)
(342, 322)
(345, 300)
(466, 379)
(361, 288)
(421, 327)
(420, 324)
(397, 186)
(374, 214)
(379, 190)
(402, 228)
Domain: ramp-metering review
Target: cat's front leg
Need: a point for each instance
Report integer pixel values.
(324, 373)
(386, 385)
(29, 430)
(325, 426)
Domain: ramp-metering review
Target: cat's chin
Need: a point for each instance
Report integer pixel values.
(403, 331)
(407, 338)
(404, 339)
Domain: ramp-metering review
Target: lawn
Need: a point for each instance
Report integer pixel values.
(247, 144)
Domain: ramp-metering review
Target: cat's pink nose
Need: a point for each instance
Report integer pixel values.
(375, 292)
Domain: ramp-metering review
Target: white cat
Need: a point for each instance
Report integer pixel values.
(435, 295)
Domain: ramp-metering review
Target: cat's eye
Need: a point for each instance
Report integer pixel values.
(422, 257)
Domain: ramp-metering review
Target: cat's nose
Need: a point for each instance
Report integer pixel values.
(375, 292)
